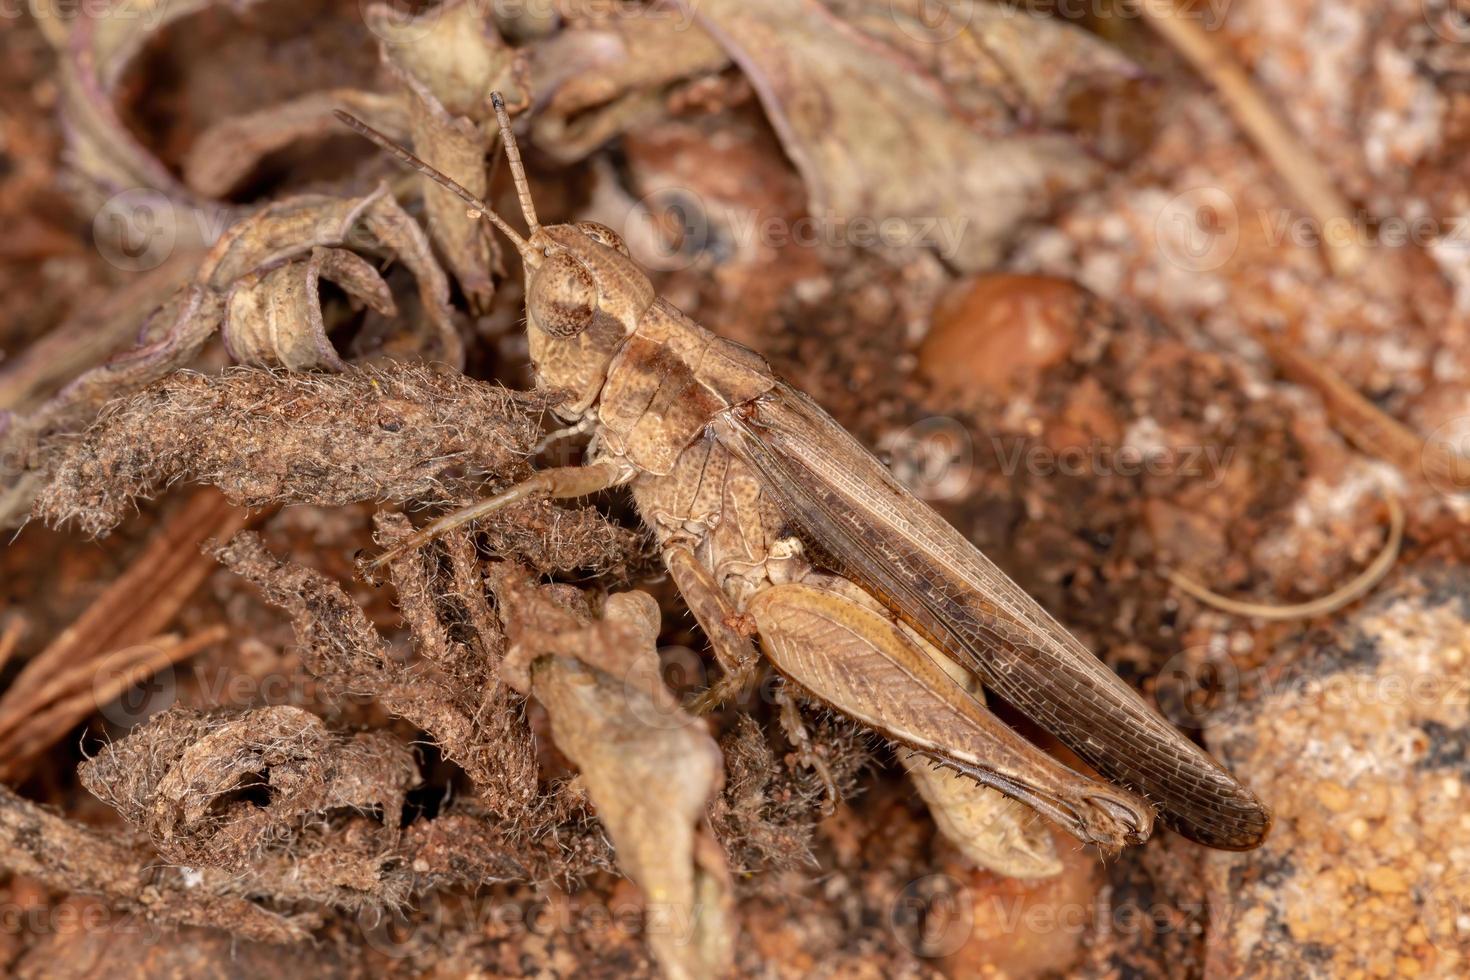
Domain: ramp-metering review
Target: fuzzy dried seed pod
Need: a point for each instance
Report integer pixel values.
(389, 433)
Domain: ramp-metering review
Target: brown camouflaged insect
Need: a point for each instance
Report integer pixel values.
(734, 470)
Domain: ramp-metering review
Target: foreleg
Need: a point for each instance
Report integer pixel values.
(556, 483)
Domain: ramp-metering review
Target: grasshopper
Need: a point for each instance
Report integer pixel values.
(773, 521)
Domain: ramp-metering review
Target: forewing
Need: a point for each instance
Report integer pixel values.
(927, 572)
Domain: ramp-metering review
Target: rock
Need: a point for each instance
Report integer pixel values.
(994, 335)
(1360, 740)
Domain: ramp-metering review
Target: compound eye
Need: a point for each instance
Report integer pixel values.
(563, 297)
(603, 235)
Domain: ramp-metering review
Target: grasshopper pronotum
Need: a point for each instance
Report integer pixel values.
(733, 470)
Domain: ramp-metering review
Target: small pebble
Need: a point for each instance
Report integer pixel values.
(1333, 796)
(1389, 881)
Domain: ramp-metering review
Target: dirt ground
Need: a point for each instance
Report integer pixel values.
(1157, 303)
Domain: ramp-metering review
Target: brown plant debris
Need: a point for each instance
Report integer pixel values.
(486, 764)
(767, 814)
(388, 433)
(115, 643)
(72, 858)
(250, 790)
(648, 766)
(450, 690)
(37, 719)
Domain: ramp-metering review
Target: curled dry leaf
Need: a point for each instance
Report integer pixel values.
(611, 69)
(96, 44)
(449, 59)
(285, 229)
(453, 694)
(223, 155)
(649, 768)
(374, 222)
(176, 332)
(876, 138)
(273, 318)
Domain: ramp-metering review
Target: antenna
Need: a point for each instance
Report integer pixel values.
(517, 169)
(414, 163)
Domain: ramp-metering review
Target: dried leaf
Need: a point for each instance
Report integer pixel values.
(38, 722)
(273, 318)
(450, 58)
(285, 229)
(453, 694)
(293, 227)
(185, 778)
(390, 225)
(187, 322)
(649, 767)
(610, 69)
(96, 46)
(999, 63)
(225, 153)
(877, 138)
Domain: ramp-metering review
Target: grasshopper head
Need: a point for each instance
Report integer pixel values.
(584, 297)
(584, 294)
